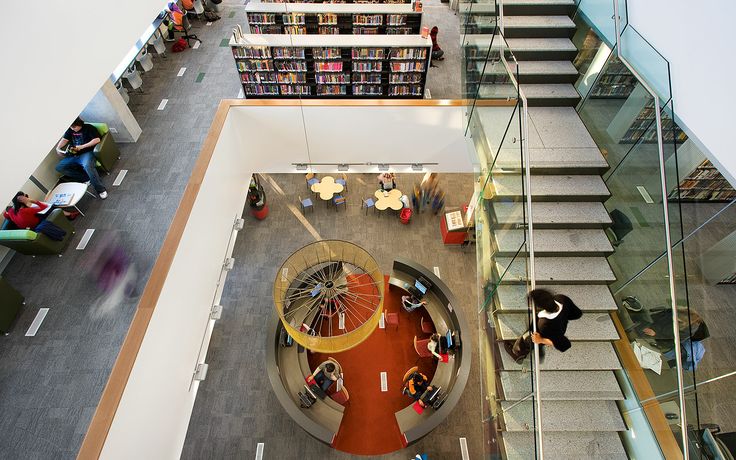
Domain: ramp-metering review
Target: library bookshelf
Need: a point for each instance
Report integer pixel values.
(356, 2)
(704, 183)
(332, 19)
(342, 66)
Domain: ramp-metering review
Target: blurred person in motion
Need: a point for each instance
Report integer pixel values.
(114, 272)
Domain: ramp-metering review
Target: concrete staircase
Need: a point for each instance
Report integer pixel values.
(580, 417)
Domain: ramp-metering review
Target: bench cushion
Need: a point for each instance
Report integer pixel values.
(28, 235)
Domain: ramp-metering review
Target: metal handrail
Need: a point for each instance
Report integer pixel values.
(668, 239)
(529, 235)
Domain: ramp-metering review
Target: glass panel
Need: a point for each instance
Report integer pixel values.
(599, 14)
(592, 55)
(647, 61)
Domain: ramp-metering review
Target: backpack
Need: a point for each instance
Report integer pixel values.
(210, 16)
(179, 46)
(51, 230)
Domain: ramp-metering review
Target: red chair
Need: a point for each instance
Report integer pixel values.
(392, 319)
(420, 346)
(341, 397)
(427, 326)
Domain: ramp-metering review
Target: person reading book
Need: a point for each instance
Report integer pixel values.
(28, 213)
(78, 161)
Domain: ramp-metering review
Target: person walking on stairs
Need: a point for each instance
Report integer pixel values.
(554, 312)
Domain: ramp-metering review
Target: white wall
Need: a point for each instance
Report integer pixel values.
(153, 416)
(695, 37)
(55, 56)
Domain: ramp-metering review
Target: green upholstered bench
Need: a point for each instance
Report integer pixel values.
(31, 243)
(106, 152)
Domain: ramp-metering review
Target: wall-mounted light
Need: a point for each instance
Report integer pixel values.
(343, 167)
(216, 312)
(383, 166)
(416, 166)
(200, 372)
(301, 166)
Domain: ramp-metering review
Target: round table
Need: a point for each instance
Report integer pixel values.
(388, 199)
(327, 188)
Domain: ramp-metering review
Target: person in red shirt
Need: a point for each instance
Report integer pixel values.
(25, 212)
(437, 52)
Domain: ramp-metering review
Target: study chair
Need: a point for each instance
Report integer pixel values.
(133, 77)
(341, 397)
(30, 243)
(106, 152)
(421, 347)
(343, 181)
(123, 92)
(145, 60)
(340, 200)
(306, 203)
(368, 203)
(182, 25)
(157, 41)
(311, 180)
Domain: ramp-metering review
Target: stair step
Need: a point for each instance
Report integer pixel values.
(588, 297)
(552, 214)
(563, 385)
(592, 327)
(553, 242)
(557, 270)
(542, 49)
(550, 95)
(570, 445)
(582, 356)
(536, 7)
(544, 161)
(553, 187)
(538, 26)
(545, 71)
(565, 416)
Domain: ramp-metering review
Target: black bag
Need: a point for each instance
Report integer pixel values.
(216, 2)
(306, 399)
(51, 230)
(285, 339)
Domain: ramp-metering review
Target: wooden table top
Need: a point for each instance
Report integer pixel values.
(327, 188)
(389, 199)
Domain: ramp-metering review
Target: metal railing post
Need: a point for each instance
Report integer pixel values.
(668, 239)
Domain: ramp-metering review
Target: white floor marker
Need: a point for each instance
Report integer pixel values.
(208, 24)
(384, 381)
(382, 321)
(163, 104)
(181, 71)
(341, 321)
(259, 451)
(37, 322)
(647, 197)
(437, 271)
(196, 45)
(119, 179)
(85, 238)
(464, 449)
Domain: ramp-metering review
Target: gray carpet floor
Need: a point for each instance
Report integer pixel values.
(235, 407)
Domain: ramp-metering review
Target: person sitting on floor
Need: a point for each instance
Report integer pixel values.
(28, 213)
(437, 53)
(411, 303)
(78, 161)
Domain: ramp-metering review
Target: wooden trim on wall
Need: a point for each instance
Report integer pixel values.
(102, 419)
(640, 383)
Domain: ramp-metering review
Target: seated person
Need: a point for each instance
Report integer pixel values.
(438, 344)
(326, 373)
(78, 161)
(417, 387)
(25, 212)
(387, 181)
(411, 303)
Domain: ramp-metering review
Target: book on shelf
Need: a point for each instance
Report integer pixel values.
(252, 52)
(260, 90)
(327, 19)
(295, 30)
(367, 90)
(326, 53)
(294, 90)
(368, 19)
(288, 52)
(272, 29)
(293, 19)
(411, 66)
(257, 65)
(331, 78)
(261, 18)
(405, 90)
(398, 31)
(396, 19)
(371, 78)
(368, 53)
(328, 66)
(365, 30)
(291, 66)
(405, 78)
(292, 77)
(331, 90)
(367, 66)
(408, 53)
(328, 30)
(258, 77)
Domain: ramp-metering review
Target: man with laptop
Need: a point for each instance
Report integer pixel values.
(414, 301)
(443, 345)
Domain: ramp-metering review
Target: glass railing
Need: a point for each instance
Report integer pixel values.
(510, 417)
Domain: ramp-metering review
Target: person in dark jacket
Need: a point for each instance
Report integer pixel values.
(554, 311)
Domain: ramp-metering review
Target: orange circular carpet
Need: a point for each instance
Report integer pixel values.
(369, 426)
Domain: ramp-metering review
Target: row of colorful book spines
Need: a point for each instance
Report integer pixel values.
(263, 52)
(338, 1)
(299, 18)
(300, 77)
(357, 66)
(331, 90)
